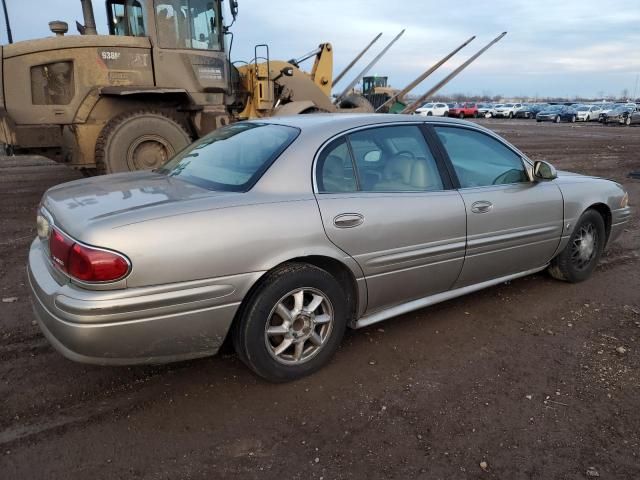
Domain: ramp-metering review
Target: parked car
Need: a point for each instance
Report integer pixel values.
(462, 110)
(528, 111)
(634, 117)
(587, 113)
(618, 114)
(508, 110)
(485, 110)
(282, 232)
(436, 109)
(557, 114)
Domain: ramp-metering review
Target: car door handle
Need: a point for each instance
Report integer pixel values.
(481, 207)
(348, 220)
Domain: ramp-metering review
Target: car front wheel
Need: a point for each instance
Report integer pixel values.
(292, 324)
(627, 121)
(581, 255)
(557, 119)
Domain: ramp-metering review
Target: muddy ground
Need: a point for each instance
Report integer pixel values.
(524, 376)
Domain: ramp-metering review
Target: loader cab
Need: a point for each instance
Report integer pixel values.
(369, 84)
(174, 24)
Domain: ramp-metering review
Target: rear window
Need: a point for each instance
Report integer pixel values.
(231, 158)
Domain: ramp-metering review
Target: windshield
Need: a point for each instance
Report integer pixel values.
(232, 158)
(508, 105)
(427, 105)
(620, 109)
(584, 109)
(554, 108)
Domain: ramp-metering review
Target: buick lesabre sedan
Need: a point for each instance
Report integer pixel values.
(281, 233)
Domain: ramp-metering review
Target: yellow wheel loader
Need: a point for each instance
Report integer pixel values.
(161, 78)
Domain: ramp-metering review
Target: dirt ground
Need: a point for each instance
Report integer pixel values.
(524, 376)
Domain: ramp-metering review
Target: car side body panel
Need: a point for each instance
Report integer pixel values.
(197, 253)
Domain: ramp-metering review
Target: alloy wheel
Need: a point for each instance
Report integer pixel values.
(299, 326)
(584, 247)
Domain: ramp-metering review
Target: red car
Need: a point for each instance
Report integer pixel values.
(461, 110)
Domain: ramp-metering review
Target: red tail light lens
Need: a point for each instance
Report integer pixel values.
(86, 263)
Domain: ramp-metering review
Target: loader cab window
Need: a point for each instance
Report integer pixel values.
(127, 18)
(189, 24)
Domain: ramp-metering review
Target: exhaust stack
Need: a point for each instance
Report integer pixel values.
(89, 27)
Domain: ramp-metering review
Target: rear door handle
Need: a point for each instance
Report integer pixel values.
(348, 220)
(482, 206)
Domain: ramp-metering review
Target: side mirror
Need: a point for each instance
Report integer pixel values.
(544, 171)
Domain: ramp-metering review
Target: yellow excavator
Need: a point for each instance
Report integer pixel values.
(161, 78)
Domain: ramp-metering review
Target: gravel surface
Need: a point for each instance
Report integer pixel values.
(534, 379)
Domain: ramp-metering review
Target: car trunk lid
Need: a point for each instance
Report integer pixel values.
(120, 199)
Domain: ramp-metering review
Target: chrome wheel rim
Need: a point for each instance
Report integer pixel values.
(299, 326)
(584, 246)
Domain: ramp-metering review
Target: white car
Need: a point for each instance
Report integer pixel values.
(507, 110)
(587, 113)
(436, 109)
(485, 110)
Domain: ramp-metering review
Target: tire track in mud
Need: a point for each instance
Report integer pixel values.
(121, 400)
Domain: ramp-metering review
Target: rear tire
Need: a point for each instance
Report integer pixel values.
(139, 140)
(268, 331)
(581, 255)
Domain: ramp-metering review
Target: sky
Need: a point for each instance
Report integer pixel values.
(568, 48)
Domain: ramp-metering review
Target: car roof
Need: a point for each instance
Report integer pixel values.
(345, 121)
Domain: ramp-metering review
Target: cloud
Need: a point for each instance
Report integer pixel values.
(580, 47)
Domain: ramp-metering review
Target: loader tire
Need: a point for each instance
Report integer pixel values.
(139, 140)
(357, 102)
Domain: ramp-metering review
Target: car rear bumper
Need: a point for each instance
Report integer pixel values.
(157, 324)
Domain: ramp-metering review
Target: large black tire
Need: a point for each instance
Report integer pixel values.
(461, 115)
(357, 102)
(251, 342)
(557, 119)
(570, 265)
(139, 140)
(573, 119)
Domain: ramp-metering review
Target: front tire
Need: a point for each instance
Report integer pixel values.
(139, 140)
(627, 121)
(581, 255)
(292, 324)
(557, 119)
(461, 115)
(573, 119)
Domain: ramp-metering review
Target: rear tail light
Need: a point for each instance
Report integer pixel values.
(85, 263)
